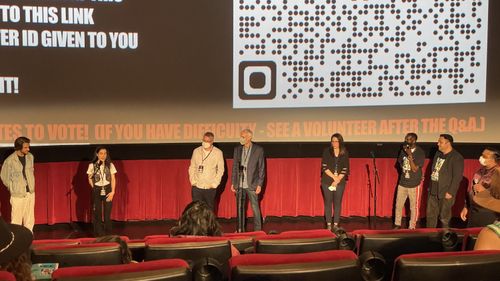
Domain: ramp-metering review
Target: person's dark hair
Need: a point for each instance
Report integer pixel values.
(20, 267)
(107, 162)
(496, 153)
(342, 147)
(20, 141)
(124, 249)
(197, 219)
(412, 135)
(209, 134)
(447, 137)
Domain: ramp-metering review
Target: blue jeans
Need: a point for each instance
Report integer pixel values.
(241, 209)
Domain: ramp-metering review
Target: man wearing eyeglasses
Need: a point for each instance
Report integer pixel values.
(447, 173)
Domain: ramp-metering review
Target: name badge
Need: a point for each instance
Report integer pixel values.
(103, 192)
(200, 169)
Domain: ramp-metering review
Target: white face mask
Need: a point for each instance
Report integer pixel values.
(243, 141)
(206, 145)
(482, 160)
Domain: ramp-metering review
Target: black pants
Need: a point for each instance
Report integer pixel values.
(334, 197)
(102, 211)
(205, 195)
(439, 207)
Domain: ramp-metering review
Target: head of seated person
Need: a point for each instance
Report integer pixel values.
(197, 220)
(124, 249)
(15, 241)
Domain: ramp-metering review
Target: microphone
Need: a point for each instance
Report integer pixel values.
(372, 154)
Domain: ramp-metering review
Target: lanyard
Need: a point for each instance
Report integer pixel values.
(205, 158)
(245, 155)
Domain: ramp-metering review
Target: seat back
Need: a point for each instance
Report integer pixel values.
(392, 243)
(6, 276)
(78, 255)
(296, 242)
(470, 265)
(167, 269)
(53, 242)
(205, 255)
(317, 266)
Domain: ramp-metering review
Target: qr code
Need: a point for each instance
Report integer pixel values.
(332, 53)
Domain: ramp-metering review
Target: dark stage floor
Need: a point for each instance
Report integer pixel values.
(139, 229)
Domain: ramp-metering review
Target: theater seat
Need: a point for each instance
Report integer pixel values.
(248, 234)
(54, 242)
(78, 255)
(392, 243)
(296, 242)
(205, 255)
(317, 266)
(6, 276)
(167, 269)
(471, 237)
(470, 265)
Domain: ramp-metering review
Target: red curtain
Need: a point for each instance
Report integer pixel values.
(159, 189)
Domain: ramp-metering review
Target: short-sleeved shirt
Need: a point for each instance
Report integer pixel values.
(408, 178)
(100, 175)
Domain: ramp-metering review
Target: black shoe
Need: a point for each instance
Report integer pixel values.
(396, 227)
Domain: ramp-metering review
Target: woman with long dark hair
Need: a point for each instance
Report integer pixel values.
(102, 180)
(334, 172)
(197, 219)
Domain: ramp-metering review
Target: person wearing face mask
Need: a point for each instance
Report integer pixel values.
(247, 178)
(447, 173)
(206, 170)
(476, 215)
(410, 160)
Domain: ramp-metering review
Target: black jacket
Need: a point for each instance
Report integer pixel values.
(450, 174)
(256, 170)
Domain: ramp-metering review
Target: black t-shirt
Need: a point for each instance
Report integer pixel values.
(23, 162)
(407, 177)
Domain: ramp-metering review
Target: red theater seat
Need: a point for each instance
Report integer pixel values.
(392, 243)
(206, 255)
(54, 242)
(167, 269)
(78, 255)
(470, 265)
(296, 242)
(6, 276)
(317, 266)
(249, 233)
(470, 237)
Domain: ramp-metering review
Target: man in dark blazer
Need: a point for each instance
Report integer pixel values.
(447, 173)
(248, 177)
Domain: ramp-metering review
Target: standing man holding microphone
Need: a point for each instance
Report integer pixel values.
(411, 160)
